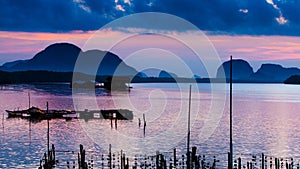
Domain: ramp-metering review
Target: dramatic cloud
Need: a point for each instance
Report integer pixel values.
(255, 17)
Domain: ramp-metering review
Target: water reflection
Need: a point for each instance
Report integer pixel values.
(56, 89)
(266, 119)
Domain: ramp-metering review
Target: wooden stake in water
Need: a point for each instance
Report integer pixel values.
(48, 131)
(231, 146)
(110, 157)
(3, 124)
(29, 118)
(188, 162)
(3, 120)
(144, 124)
(29, 131)
(28, 100)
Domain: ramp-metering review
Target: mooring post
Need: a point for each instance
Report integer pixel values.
(110, 157)
(230, 125)
(28, 100)
(48, 129)
(165, 162)
(239, 163)
(262, 161)
(161, 160)
(79, 163)
(124, 162)
(53, 150)
(144, 124)
(3, 122)
(194, 149)
(122, 166)
(139, 122)
(175, 161)
(229, 162)
(157, 159)
(41, 161)
(188, 161)
(46, 161)
(83, 159)
(111, 121)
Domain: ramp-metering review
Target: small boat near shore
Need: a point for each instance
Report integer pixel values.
(37, 113)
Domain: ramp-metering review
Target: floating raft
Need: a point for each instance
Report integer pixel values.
(36, 113)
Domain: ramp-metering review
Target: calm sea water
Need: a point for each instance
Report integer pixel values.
(266, 119)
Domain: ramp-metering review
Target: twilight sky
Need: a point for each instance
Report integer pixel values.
(258, 31)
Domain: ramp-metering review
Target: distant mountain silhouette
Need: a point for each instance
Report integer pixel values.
(11, 64)
(111, 64)
(151, 72)
(142, 74)
(157, 73)
(274, 72)
(241, 70)
(293, 80)
(197, 77)
(165, 74)
(61, 57)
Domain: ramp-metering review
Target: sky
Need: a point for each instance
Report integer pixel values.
(259, 31)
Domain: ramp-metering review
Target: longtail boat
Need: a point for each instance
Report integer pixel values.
(37, 113)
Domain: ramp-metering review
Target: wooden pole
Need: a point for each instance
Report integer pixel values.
(28, 100)
(29, 132)
(30, 117)
(231, 146)
(122, 166)
(48, 130)
(139, 122)
(194, 150)
(79, 163)
(53, 150)
(157, 159)
(116, 123)
(3, 121)
(239, 163)
(111, 120)
(144, 124)
(262, 161)
(188, 161)
(110, 157)
(228, 160)
(175, 161)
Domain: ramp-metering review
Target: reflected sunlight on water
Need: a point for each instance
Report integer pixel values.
(266, 119)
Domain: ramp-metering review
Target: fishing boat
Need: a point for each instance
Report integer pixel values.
(119, 114)
(37, 113)
(116, 83)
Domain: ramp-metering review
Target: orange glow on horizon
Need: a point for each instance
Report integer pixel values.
(250, 48)
(41, 36)
(261, 48)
